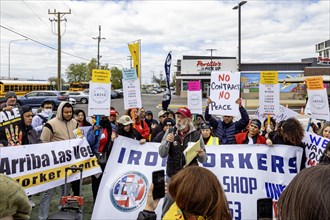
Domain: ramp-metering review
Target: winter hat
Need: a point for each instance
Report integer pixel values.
(206, 125)
(169, 121)
(25, 108)
(13, 200)
(10, 94)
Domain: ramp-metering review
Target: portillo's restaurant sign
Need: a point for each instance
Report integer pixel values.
(323, 60)
(205, 66)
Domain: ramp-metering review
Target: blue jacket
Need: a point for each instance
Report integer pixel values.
(226, 132)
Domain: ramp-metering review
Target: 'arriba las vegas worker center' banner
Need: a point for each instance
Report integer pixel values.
(38, 167)
(247, 173)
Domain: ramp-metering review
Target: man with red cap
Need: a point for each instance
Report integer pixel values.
(174, 142)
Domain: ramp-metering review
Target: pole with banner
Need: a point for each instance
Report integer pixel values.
(99, 94)
(135, 51)
(166, 102)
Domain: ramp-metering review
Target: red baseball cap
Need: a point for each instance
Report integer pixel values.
(112, 112)
(184, 111)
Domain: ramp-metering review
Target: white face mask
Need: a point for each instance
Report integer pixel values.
(47, 111)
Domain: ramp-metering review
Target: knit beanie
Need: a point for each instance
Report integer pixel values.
(13, 200)
(10, 94)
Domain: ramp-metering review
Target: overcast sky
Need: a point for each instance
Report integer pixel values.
(272, 31)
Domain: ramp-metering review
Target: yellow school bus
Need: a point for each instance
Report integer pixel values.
(78, 86)
(22, 87)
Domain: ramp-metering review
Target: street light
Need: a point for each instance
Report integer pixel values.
(9, 54)
(211, 57)
(239, 31)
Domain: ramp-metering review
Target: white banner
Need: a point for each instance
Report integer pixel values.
(99, 99)
(247, 173)
(132, 94)
(224, 91)
(314, 146)
(284, 113)
(269, 98)
(318, 104)
(194, 99)
(38, 167)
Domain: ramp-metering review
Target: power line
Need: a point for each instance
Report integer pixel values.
(38, 42)
(36, 14)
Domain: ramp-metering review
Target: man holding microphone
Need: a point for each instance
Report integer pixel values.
(174, 142)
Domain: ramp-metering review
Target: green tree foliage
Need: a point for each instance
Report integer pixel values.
(54, 79)
(77, 72)
(82, 72)
(116, 78)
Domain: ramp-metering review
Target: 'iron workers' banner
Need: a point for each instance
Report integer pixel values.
(246, 172)
(38, 167)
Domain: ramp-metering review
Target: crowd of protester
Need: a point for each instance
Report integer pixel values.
(174, 131)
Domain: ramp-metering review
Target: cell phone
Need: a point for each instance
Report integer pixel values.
(158, 179)
(265, 208)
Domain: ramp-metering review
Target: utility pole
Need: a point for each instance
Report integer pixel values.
(130, 61)
(99, 38)
(211, 57)
(58, 20)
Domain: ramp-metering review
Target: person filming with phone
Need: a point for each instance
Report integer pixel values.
(173, 144)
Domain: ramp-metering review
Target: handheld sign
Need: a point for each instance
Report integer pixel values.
(224, 91)
(194, 97)
(269, 91)
(317, 98)
(99, 94)
(131, 89)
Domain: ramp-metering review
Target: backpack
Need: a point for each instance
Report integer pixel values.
(45, 119)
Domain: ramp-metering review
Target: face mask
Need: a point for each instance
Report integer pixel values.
(47, 111)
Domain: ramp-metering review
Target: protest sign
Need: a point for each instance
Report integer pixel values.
(38, 167)
(314, 146)
(129, 74)
(269, 91)
(101, 76)
(132, 94)
(224, 91)
(194, 97)
(283, 114)
(246, 172)
(10, 130)
(99, 99)
(317, 98)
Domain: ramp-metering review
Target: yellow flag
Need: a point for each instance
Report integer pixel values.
(134, 49)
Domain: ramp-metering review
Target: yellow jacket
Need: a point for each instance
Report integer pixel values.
(175, 213)
(213, 141)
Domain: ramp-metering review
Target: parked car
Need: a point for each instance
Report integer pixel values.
(35, 98)
(79, 96)
(120, 93)
(151, 92)
(72, 101)
(113, 94)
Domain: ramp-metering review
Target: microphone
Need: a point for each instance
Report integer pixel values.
(174, 130)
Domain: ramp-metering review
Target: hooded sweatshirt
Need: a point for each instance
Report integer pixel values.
(58, 129)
